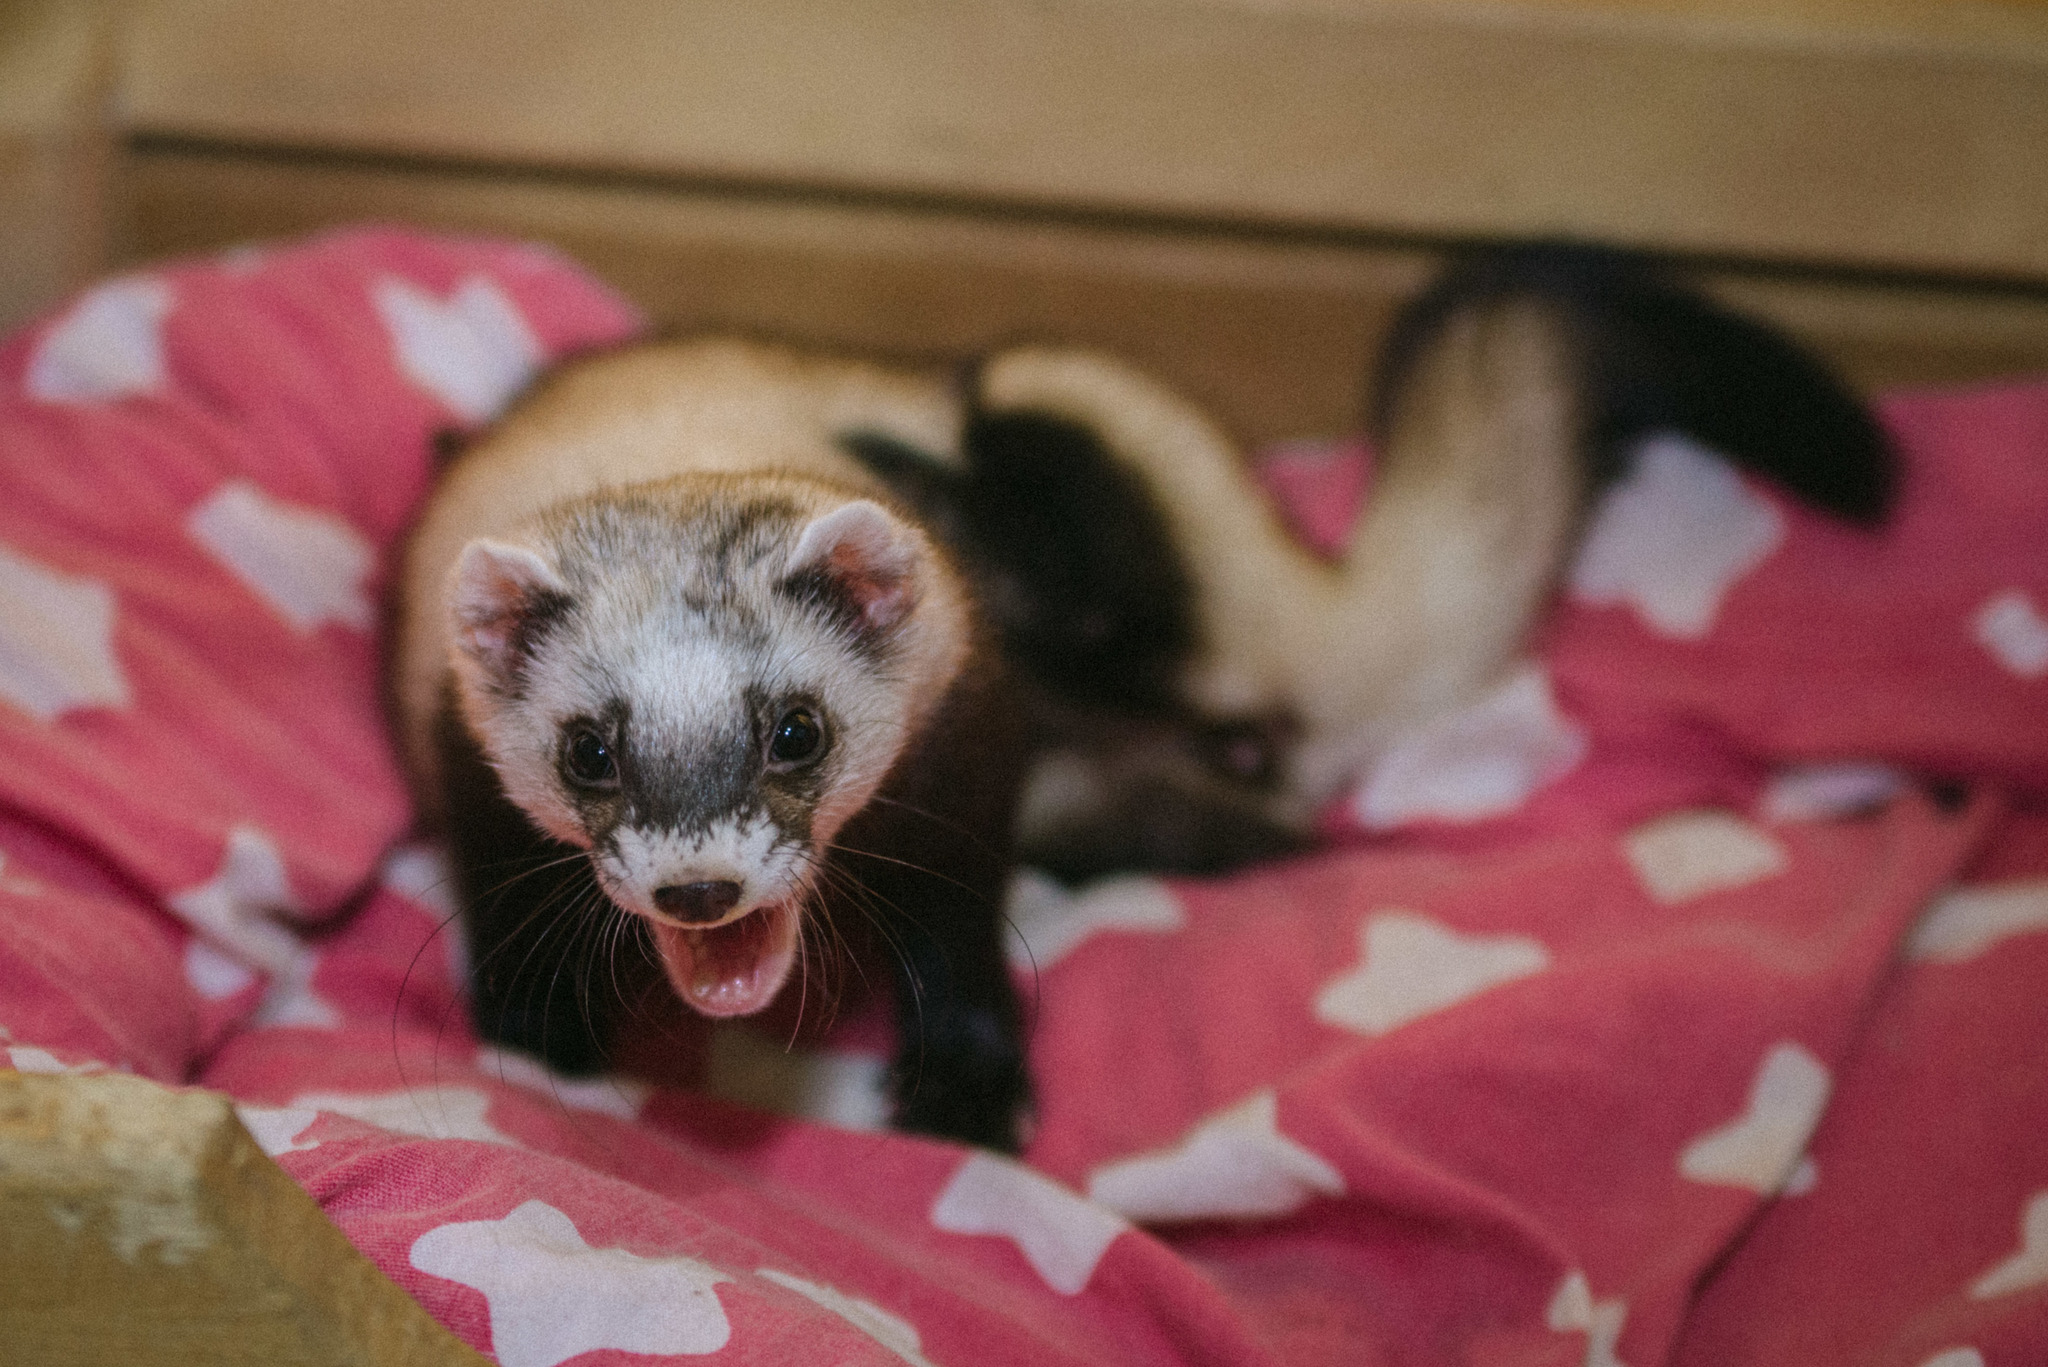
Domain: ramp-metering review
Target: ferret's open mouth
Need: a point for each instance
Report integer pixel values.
(733, 969)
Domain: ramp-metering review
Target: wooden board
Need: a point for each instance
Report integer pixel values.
(1899, 135)
(141, 1225)
(56, 143)
(1275, 333)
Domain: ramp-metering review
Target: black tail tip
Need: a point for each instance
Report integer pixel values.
(1658, 354)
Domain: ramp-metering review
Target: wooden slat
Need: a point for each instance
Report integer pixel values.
(1913, 141)
(1276, 336)
(56, 141)
(141, 1225)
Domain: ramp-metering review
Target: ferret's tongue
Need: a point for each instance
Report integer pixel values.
(734, 969)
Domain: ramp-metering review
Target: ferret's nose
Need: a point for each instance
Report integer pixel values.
(698, 903)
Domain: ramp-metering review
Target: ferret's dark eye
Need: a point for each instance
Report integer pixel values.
(587, 759)
(798, 736)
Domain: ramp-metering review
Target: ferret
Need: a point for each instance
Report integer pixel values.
(675, 668)
(1204, 684)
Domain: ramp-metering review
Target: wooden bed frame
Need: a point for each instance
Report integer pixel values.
(1233, 192)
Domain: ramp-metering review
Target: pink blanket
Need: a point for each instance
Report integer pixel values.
(1679, 1003)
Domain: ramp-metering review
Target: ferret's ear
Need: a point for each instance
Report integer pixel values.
(497, 595)
(862, 557)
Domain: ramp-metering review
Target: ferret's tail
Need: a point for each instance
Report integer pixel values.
(1648, 354)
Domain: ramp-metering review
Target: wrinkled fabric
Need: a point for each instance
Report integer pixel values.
(1676, 1003)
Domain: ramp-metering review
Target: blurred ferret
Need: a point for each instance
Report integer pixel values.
(1203, 683)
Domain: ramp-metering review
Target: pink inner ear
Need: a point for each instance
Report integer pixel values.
(882, 596)
(494, 586)
(868, 555)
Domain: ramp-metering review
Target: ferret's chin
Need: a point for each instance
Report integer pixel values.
(732, 969)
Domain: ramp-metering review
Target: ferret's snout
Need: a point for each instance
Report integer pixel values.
(698, 903)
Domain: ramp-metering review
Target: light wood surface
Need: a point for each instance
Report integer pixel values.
(56, 145)
(1908, 135)
(141, 1226)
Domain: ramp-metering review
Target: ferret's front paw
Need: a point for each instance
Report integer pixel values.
(981, 1099)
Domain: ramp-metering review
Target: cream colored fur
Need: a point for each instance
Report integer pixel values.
(1476, 500)
(1477, 497)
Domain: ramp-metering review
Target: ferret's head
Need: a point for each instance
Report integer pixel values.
(699, 682)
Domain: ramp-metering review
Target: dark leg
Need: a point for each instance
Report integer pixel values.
(931, 856)
(537, 924)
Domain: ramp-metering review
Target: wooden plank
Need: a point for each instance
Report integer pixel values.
(56, 143)
(1993, 23)
(141, 1225)
(1275, 335)
(1896, 336)
(1909, 141)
